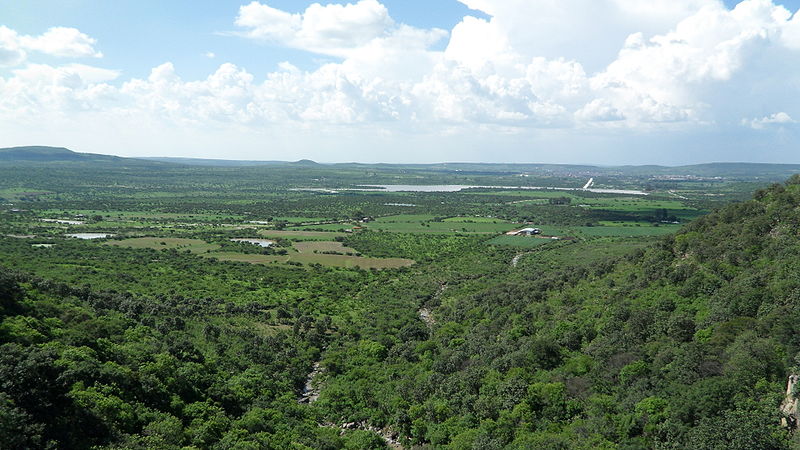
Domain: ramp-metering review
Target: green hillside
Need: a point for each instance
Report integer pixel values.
(686, 344)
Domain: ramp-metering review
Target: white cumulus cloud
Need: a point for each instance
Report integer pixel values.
(57, 41)
(11, 53)
(63, 42)
(779, 118)
(332, 29)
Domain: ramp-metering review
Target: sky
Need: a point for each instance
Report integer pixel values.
(552, 81)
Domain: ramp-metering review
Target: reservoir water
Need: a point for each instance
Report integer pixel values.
(458, 187)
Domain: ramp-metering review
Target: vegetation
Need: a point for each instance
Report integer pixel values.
(423, 325)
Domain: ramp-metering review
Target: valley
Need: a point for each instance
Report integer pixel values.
(187, 306)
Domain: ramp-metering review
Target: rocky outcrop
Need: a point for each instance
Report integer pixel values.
(312, 387)
(790, 403)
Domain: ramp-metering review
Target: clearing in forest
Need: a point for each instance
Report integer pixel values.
(193, 245)
(323, 246)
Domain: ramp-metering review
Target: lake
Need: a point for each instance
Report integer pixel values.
(90, 235)
(458, 187)
(260, 242)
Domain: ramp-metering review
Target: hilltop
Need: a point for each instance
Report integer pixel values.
(41, 153)
(61, 155)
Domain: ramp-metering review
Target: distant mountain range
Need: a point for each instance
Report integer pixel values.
(227, 162)
(43, 154)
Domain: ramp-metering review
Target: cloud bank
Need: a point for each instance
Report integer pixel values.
(536, 73)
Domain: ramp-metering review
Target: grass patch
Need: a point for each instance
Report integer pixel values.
(474, 220)
(352, 261)
(304, 235)
(405, 218)
(519, 241)
(583, 253)
(193, 245)
(629, 230)
(322, 246)
(419, 223)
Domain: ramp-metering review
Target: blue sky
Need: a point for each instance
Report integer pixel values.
(136, 36)
(607, 81)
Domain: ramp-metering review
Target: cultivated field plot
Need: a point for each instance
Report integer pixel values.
(193, 245)
(323, 246)
(303, 235)
(629, 230)
(302, 253)
(519, 241)
(336, 228)
(351, 261)
(301, 219)
(426, 224)
(639, 205)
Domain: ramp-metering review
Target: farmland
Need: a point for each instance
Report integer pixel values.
(192, 245)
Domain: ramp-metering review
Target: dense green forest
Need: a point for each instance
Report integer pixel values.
(391, 319)
(683, 344)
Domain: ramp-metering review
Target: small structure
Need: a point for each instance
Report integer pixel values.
(525, 232)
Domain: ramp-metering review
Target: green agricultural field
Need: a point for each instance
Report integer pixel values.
(301, 235)
(519, 241)
(405, 218)
(640, 205)
(331, 228)
(193, 245)
(629, 230)
(474, 220)
(301, 219)
(425, 224)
